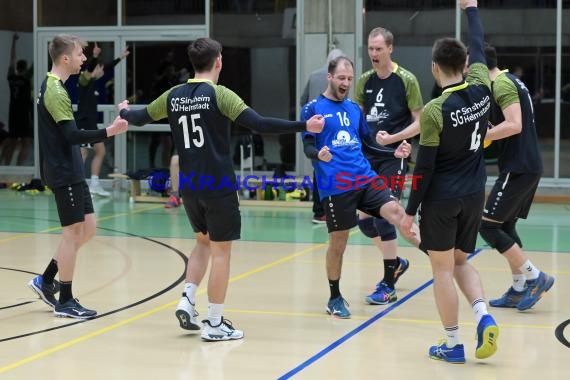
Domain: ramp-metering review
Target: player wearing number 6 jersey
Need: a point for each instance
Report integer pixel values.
(199, 113)
(451, 190)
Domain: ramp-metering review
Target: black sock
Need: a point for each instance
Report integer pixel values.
(335, 288)
(65, 292)
(50, 272)
(389, 270)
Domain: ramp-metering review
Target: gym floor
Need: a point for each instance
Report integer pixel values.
(132, 273)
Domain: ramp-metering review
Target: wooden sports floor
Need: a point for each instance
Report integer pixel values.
(133, 274)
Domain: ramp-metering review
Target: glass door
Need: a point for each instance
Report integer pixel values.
(96, 86)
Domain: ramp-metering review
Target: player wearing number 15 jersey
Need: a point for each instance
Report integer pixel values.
(199, 113)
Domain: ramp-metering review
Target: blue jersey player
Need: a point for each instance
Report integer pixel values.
(344, 176)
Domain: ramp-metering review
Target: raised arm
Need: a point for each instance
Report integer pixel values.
(476, 36)
(13, 51)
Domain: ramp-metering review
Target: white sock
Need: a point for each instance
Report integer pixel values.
(94, 179)
(452, 335)
(519, 281)
(190, 290)
(529, 270)
(215, 311)
(479, 308)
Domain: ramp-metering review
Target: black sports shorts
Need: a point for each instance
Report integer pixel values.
(451, 223)
(73, 203)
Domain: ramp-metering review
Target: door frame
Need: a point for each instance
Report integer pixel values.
(119, 36)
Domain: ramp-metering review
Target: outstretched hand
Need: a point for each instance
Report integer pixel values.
(403, 150)
(467, 3)
(124, 105)
(315, 124)
(118, 126)
(96, 50)
(126, 53)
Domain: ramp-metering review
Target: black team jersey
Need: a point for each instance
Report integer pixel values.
(60, 162)
(20, 99)
(87, 96)
(456, 123)
(519, 153)
(387, 102)
(452, 128)
(198, 113)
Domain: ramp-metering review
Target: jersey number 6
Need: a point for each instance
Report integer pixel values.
(475, 138)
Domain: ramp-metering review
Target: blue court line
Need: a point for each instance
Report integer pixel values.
(360, 328)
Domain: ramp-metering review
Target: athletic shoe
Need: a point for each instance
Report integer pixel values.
(73, 309)
(223, 331)
(487, 336)
(337, 307)
(320, 219)
(511, 298)
(186, 314)
(382, 295)
(403, 266)
(535, 289)
(173, 202)
(97, 189)
(454, 355)
(45, 291)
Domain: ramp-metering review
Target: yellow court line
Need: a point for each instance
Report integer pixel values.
(367, 317)
(51, 229)
(83, 338)
(146, 313)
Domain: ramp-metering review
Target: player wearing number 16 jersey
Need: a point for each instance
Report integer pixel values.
(199, 113)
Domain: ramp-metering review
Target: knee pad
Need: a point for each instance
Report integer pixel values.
(492, 233)
(510, 229)
(367, 227)
(386, 231)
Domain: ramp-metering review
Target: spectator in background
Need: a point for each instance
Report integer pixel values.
(20, 128)
(87, 99)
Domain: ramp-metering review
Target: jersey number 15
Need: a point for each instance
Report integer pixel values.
(198, 142)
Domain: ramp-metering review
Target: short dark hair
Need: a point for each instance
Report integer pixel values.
(203, 53)
(450, 54)
(333, 64)
(491, 57)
